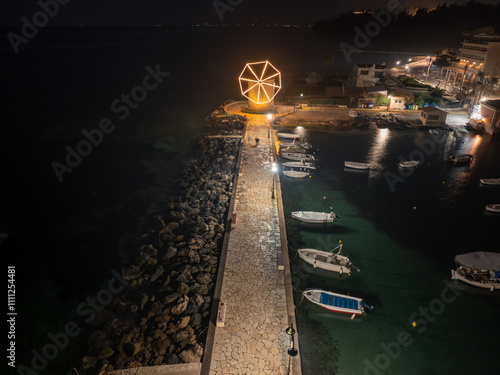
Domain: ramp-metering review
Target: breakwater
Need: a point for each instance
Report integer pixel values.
(163, 314)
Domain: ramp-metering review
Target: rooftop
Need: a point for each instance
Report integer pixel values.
(431, 108)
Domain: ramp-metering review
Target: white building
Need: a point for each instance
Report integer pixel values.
(433, 116)
(366, 75)
(480, 53)
(396, 103)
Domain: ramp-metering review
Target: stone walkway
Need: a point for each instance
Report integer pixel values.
(253, 340)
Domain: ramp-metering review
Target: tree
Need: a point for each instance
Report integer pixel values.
(327, 60)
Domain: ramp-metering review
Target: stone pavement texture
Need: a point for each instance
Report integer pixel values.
(253, 340)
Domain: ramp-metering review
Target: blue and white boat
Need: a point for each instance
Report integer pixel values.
(337, 302)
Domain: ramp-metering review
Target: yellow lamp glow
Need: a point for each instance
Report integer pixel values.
(262, 81)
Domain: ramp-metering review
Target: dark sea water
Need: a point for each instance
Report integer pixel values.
(66, 238)
(403, 241)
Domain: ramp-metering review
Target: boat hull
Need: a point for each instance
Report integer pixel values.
(314, 217)
(299, 164)
(296, 174)
(456, 275)
(298, 156)
(356, 165)
(465, 158)
(490, 181)
(495, 208)
(408, 164)
(323, 260)
(288, 136)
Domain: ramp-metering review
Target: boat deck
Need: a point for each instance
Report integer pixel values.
(347, 303)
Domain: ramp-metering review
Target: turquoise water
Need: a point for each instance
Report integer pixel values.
(403, 242)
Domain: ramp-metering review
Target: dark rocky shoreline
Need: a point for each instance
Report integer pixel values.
(162, 315)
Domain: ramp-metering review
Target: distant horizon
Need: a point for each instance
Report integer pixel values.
(114, 13)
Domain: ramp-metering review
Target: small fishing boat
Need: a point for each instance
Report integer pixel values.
(354, 114)
(298, 156)
(299, 164)
(315, 217)
(293, 149)
(327, 260)
(490, 181)
(337, 302)
(495, 207)
(463, 158)
(480, 268)
(408, 164)
(295, 174)
(356, 165)
(288, 136)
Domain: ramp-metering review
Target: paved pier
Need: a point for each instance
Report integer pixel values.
(253, 339)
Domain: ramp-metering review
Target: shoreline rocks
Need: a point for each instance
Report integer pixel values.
(163, 314)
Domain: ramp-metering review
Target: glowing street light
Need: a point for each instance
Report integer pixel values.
(274, 169)
(397, 62)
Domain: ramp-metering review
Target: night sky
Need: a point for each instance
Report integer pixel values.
(169, 12)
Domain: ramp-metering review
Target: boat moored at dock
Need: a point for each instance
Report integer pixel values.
(463, 158)
(480, 269)
(337, 302)
(356, 165)
(327, 260)
(315, 217)
(490, 181)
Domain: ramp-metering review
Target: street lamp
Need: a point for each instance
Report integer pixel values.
(274, 168)
(301, 95)
(292, 352)
(269, 118)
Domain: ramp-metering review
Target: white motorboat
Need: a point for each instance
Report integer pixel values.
(356, 165)
(354, 114)
(463, 158)
(299, 164)
(337, 302)
(288, 136)
(293, 149)
(480, 268)
(315, 217)
(296, 174)
(490, 181)
(408, 164)
(305, 145)
(495, 207)
(327, 260)
(297, 156)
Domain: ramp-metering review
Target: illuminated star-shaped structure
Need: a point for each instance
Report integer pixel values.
(259, 83)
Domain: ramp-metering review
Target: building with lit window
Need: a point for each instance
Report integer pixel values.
(479, 53)
(433, 116)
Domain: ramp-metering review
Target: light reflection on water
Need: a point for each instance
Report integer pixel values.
(377, 152)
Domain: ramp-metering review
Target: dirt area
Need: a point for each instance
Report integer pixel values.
(340, 115)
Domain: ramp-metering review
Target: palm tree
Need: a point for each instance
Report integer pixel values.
(327, 60)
